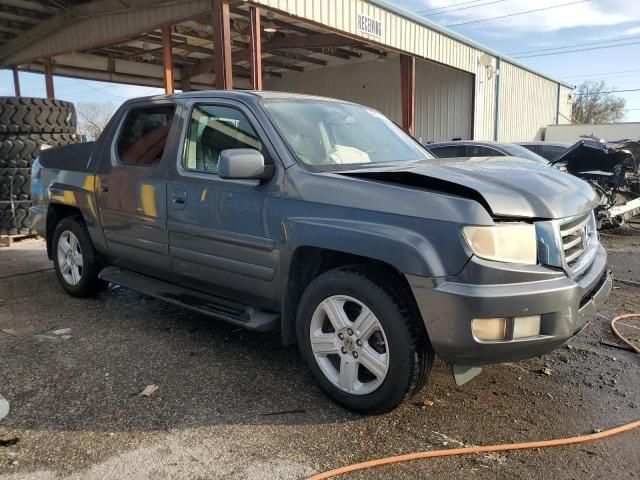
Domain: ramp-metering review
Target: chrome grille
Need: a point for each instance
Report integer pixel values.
(568, 243)
(574, 238)
(579, 238)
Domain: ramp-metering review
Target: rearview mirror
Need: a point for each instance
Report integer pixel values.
(243, 163)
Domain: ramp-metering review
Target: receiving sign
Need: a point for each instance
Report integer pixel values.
(369, 25)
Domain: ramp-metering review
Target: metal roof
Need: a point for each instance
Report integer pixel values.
(17, 17)
(128, 57)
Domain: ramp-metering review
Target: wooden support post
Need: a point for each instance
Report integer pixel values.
(256, 49)
(48, 78)
(221, 24)
(16, 81)
(167, 59)
(408, 88)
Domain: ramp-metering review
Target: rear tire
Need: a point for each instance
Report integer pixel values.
(75, 259)
(385, 359)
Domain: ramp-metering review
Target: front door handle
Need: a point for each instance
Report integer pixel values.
(179, 199)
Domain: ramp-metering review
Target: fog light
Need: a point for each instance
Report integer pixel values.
(489, 328)
(526, 326)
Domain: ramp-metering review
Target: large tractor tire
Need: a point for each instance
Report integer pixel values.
(19, 151)
(28, 125)
(15, 184)
(36, 115)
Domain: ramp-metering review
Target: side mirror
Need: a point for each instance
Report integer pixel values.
(243, 163)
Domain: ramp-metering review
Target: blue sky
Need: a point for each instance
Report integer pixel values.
(582, 22)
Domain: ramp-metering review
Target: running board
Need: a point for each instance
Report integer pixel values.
(210, 305)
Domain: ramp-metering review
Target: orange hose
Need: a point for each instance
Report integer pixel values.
(469, 450)
(615, 330)
(491, 448)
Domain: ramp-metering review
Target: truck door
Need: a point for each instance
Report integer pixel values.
(219, 236)
(131, 190)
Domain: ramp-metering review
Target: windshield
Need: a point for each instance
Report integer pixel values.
(326, 134)
(520, 151)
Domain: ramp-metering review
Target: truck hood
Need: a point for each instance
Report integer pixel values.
(507, 186)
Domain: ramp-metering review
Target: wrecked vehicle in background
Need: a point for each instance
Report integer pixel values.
(613, 170)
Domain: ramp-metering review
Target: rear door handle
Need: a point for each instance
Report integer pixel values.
(104, 189)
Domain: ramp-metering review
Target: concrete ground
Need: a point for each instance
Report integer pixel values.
(233, 404)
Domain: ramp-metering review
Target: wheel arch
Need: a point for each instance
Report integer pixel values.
(56, 212)
(313, 247)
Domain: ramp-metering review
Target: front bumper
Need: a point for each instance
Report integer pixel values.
(487, 289)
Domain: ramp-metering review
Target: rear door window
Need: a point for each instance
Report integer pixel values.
(143, 135)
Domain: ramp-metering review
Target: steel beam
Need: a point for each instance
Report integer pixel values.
(167, 59)
(408, 91)
(94, 24)
(221, 24)
(16, 81)
(48, 78)
(256, 49)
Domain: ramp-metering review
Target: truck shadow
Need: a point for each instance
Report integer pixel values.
(89, 377)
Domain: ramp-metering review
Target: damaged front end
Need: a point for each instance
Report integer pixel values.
(613, 170)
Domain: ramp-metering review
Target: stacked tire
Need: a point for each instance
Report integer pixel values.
(27, 125)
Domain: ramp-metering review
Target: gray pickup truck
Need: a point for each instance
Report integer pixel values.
(325, 220)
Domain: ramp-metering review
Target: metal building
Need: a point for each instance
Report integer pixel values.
(434, 82)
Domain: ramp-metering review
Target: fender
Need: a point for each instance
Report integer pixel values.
(404, 249)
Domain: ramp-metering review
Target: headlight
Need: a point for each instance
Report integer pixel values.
(514, 243)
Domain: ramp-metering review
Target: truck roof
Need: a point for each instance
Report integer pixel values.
(238, 95)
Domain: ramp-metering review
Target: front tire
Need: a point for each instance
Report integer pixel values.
(360, 342)
(75, 259)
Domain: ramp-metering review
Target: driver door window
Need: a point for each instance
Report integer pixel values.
(213, 129)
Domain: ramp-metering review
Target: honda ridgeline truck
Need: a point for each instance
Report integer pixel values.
(325, 220)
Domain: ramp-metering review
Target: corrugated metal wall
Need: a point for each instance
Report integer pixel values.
(444, 96)
(528, 101)
(399, 32)
(376, 84)
(565, 105)
(527, 104)
(485, 104)
(444, 103)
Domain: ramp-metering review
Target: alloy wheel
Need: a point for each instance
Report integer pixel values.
(70, 258)
(349, 344)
